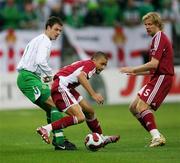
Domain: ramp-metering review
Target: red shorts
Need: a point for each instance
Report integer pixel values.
(64, 97)
(154, 92)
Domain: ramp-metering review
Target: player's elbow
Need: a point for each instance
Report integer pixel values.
(153, 66)
(153, 63)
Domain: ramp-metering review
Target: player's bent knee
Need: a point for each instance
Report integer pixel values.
(81, 119)
(50, 102)
(141, 106)
(132, 109)
(90, 115)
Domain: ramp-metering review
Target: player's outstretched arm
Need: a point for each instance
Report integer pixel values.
(143, 73)
(139, 73)
(84, 82)
(142, 69)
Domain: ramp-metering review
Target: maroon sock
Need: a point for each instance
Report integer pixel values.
(148, 119)
(94, 125)
(138, 116)
(64, 122)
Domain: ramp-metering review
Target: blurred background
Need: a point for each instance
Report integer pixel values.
(112, 26)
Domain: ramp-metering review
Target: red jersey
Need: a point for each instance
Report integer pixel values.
(68, 74)
(161, 49)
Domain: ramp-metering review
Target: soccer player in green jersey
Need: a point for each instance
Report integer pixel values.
(34, 73)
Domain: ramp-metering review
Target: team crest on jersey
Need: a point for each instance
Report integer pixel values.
(44, 86)
(152, 51)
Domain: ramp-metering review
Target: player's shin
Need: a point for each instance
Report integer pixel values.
(94, 125)
(149, 120)
(64, 122)
(58, 137)
(139, 118)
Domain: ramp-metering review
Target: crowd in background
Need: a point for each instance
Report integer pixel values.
(31, 14)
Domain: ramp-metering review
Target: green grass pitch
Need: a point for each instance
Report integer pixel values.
(19, 142)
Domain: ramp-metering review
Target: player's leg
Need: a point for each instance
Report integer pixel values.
(58, 136)
(75, 116)
(149, 120)
(87, 109)
(59, 141)
(46, 103)
(66, 102)
(52, 114)
(94, 124)
(91, 119)
(151, 96)
(147, 117)
(39, 93)
(165, 86)
(135, 113)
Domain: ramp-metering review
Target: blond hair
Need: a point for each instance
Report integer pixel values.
(155, 18)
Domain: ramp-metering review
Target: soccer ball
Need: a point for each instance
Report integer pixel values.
(94, 142)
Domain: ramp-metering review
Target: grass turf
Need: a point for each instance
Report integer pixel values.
(20, 143)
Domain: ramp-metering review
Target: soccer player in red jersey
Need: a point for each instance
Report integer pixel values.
(68, 99)
(161, 68)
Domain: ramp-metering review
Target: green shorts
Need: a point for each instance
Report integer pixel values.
(32, 87)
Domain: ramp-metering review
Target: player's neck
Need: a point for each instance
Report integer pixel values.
(47, 34)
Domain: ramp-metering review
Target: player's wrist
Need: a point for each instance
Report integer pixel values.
(47, 79)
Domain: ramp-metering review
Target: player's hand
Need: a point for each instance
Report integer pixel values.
(47, 79)
(127, 70)
(98, 98)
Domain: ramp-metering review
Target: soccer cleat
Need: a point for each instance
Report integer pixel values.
(44, 134)
(110, 139)
(67, 145)
(158, 141)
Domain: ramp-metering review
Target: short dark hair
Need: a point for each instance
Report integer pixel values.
(53, 20)
(99, 54)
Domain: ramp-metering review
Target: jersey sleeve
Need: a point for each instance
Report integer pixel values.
(158, 47)
(89, 68)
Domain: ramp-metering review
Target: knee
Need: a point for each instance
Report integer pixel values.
(49, 102)
(80, 118)
(141, 106)
(90, 114)
(132, 108)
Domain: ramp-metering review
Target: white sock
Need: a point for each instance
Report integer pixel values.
(48, 127)
(59, 134)
(155, 133)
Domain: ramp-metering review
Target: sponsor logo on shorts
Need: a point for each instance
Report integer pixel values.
(37, 92)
